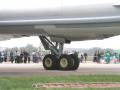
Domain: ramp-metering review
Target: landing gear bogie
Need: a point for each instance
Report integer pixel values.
(65, 62)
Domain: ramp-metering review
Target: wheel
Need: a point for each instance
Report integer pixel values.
(50, 62)
(65, 62)
(76, 62)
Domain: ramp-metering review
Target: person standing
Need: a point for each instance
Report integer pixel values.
(29, 58)
(5, 56)
(17, 57)
(119, 58)
(25, 53)
(85, 56)
(82, 57)
(34, 57)
(107, 57)
(11, 57)
(99, 56)
(95, 59)
(21, 57)
(0, 58)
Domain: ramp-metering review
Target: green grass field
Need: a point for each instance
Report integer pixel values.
(25, 83)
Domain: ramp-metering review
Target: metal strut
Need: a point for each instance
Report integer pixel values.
(48, 45)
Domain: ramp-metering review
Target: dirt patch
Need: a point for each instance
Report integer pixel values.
(78, 85)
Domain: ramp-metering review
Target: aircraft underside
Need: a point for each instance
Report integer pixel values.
(61, 20)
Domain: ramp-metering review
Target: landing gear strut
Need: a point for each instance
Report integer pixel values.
(57, 60)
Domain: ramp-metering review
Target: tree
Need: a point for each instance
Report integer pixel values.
(30, 48)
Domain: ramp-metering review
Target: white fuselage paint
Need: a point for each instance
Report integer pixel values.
(70, 19)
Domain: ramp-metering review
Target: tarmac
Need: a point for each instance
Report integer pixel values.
(8, 69)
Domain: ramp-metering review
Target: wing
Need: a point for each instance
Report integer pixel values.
(60, 18)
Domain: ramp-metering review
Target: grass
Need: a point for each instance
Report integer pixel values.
(85, 89)
(25, 83)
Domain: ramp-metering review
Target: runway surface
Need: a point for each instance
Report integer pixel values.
(7, 69)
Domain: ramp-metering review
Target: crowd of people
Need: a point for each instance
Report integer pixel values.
(106, 56)
(19, 57)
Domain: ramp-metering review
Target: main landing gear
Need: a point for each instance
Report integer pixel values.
(57, 60)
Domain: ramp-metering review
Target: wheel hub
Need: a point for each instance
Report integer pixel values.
(64, 62)
(48, 62)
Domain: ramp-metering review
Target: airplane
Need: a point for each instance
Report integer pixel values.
(57, 22)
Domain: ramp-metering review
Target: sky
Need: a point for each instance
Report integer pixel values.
(112, 42)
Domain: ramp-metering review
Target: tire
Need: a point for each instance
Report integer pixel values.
(50, 62)
(65, 62)
(76, 62)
